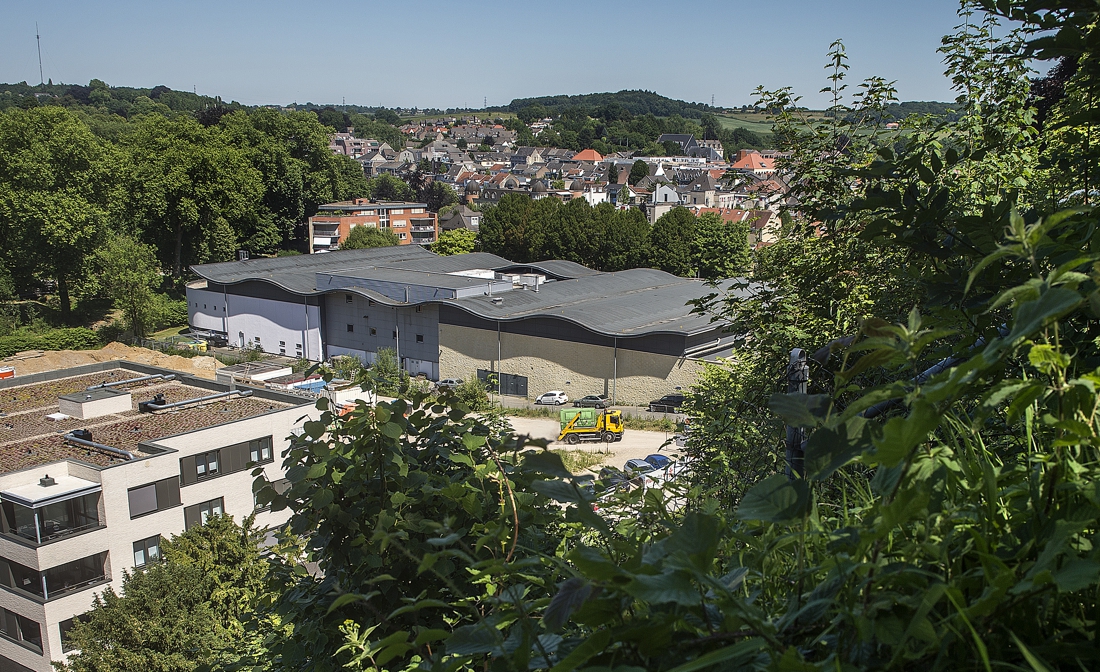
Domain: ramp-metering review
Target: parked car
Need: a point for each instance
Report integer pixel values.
(552, 398)
(610, 478)
(449, 383)
(593, 401)
(670, 403)
(658, 461)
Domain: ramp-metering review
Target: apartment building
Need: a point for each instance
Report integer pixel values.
(410, 222)
(98, 464)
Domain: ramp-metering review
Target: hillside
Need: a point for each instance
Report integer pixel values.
(634, 102)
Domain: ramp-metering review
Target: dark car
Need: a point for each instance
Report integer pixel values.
(658, 461)
(670, 403)
(593, 401)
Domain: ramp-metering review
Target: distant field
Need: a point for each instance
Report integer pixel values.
(757, 123)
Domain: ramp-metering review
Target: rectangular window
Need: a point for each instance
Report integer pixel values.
(351, 328)
(21, 629)
(401, 236)
(200, 513)
(418, 308)
(147, 551)
(206, 464)
(64, 627)
(260, 450)
(53, 520)
(282, 344)
(420, 338)
(394, 334)
(348, 298)
(157, 496)
(373, 331)
(370, 302)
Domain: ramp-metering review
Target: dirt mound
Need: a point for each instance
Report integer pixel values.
(37, 361)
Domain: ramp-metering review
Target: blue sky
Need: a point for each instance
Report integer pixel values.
(444, 54)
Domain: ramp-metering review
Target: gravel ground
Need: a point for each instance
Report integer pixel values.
(635, 443)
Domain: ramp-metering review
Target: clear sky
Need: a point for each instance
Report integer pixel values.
(431, 53)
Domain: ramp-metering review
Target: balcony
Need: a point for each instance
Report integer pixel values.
(423, 229)
(64, 579)
(42, 514)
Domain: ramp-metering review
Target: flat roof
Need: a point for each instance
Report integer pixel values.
(28, 438)
(63, 487)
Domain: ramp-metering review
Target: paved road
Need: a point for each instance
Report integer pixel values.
(635, 443)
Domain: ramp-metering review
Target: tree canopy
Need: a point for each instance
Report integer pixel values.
(368, 236)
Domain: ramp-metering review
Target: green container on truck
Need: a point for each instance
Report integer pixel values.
(590, 424)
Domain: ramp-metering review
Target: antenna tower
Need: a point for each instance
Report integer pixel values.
(38, 37)
(485, 101)
(712, 100)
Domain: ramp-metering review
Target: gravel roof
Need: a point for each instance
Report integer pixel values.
(28, 438)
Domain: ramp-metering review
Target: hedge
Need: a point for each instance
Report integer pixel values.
(77, 338)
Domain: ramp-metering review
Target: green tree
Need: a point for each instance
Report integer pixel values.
(192, 194)
(386, 187)
(671, 242)
(613, 174)
(130, 274)
(621, 236)
(191, 606)
(58, 186)
(455, 241)
(362, 237)
(720, 249)
(638, 171)
(461, 144)
(504, 227)
(438, 196)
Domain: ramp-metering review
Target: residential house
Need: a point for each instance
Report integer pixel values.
(752, 161)
(686, 141)
(461, 217)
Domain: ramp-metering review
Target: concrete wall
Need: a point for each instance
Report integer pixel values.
(577, 368)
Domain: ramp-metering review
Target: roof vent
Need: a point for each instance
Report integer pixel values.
(46, 481)
(497, 300)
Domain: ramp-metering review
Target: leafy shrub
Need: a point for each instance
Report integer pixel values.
(75, 338)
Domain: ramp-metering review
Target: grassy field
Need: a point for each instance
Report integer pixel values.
(577, 461)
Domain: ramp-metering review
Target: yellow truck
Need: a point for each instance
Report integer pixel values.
(591, 424)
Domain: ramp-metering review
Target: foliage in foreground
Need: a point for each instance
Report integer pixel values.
(182, 612)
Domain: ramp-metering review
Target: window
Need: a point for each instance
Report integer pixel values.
(394, 334)
(420, 338)
(348, 298)
(282, 351)
(206, 464)
(373, 331)
(282, 344)
(370, 302)
(418, 308)
(54, 520)
(75, 575)
(351, 328)
(401, 236)
(259, 451)
(146, 551)
(200, 513)
(157, 496)
(399, 224)
(64, 627)
(21, 629)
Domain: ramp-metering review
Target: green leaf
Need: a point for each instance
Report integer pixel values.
(1032, 660)
(901, 435)
(668, 586)
(392, 430)
(829, 449)
(580, 655)
(1032, 315)
(347, 598)
(1076, 574)
(775, 500)
(800, 410)
(876, 357)
(430, 635)
(562, 491)
(745, 649)
(316, 470)
(471, 639)
(571, 594)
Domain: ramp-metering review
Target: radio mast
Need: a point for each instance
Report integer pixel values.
(38, 37)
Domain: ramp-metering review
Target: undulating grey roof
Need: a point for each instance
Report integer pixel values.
(626, 303)
(558, 269)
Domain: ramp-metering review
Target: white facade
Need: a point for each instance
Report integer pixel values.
(118, 525)
(276, 327)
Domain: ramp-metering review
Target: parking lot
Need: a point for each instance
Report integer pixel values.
(635, 443)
